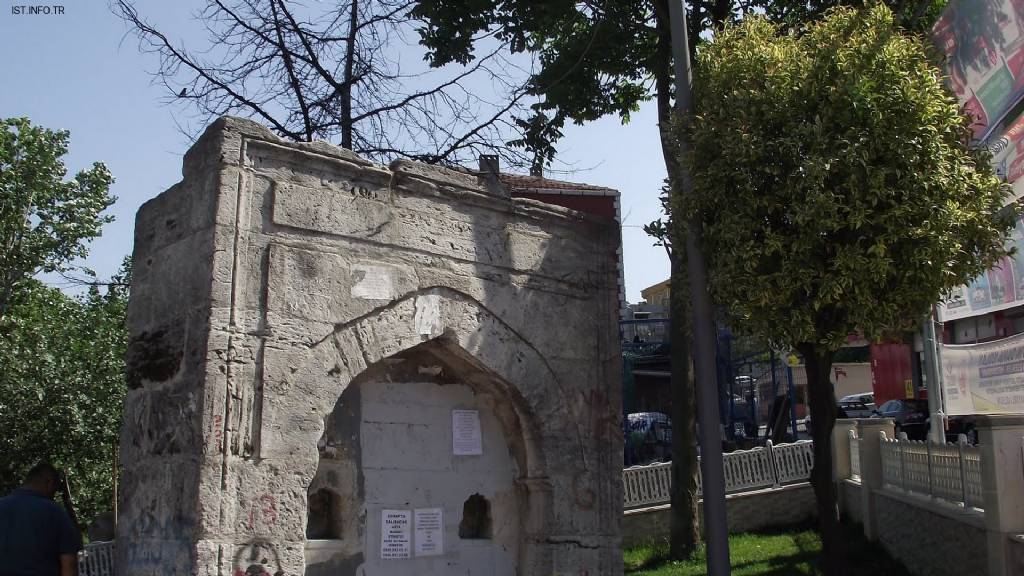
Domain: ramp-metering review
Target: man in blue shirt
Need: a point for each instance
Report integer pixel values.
(36, 536)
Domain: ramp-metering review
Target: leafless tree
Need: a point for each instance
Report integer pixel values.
(347, 73)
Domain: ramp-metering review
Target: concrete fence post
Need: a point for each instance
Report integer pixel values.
(961, 441)
(928, 454)
(1001, 438)
(868, 430)
(841, 469)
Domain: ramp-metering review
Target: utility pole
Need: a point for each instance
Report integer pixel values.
(937, 432)
(716, 531)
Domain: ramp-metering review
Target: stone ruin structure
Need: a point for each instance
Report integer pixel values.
(342, 368)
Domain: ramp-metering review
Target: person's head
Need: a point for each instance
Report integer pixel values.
(43, 478)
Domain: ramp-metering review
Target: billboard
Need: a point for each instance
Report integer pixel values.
(983, 42)
(1007, 148)
(985, 378)
(999, 288)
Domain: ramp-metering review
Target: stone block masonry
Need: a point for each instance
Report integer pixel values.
(930, 538)
(308, 332)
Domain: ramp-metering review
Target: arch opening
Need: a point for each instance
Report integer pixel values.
(388, 445)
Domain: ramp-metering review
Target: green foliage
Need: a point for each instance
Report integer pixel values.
(45, 221)
(62, 385)
(595, 59)
(834, 179)
(916, 16)
(783, 553)
(853, 355)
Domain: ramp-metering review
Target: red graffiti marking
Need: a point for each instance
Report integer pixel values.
(262, 511)
(218, 430)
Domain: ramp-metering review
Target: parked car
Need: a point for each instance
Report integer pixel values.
(957, 425)
(857, 405)
(649, 437)
(962, 425)
(852, 406)
(911, 416)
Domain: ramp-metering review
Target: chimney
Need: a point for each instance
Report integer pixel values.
(489, 166)
(489, 176)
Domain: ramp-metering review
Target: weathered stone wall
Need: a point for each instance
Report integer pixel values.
(745, 512)
(278, 280)
(929, 538)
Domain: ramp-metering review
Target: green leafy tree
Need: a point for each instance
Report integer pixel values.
(62, 385)
(595, 59)
(837, 193)
(45, 220)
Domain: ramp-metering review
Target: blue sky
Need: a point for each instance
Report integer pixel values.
(80, 71)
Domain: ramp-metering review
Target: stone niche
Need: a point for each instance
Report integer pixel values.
(342, 368)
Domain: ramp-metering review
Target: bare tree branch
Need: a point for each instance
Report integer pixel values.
(344, 72)
(167, 48)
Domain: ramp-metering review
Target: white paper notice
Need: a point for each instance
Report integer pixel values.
(428, 314)
(429, 532)
(466, 439)
(374, 282)
(395, 534)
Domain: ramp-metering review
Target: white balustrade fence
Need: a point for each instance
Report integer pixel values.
(97, 559)
(793, 462)
(854, 456)
(748, 469)
(951, 472)
(744, 470)
(645, 485)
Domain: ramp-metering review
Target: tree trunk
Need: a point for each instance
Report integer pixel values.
(685, 531)
(822, 397)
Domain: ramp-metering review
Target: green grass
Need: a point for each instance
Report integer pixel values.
(790, 553)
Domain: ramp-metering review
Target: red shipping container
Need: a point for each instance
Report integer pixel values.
(891, 375)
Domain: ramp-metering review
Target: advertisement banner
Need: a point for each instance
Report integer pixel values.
(1008, 155)
(983, 41)
(999, 288)
(984, 378)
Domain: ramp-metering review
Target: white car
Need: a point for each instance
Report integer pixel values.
(858, 405)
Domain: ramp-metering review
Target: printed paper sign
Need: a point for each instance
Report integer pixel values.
(429, 532)
(395, 534)
(466, 440)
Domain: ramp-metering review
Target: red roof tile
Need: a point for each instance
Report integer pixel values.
(524, 182)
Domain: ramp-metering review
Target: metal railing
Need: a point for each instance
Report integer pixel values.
(744, 470)
(950, 472)
(97, 559)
